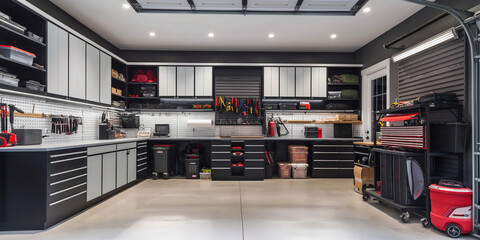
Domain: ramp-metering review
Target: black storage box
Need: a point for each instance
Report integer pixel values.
(394, 178)
(288, 106)
(28, 136)
(342, 130)
(448, 137)
(270, 106)
(311, 132)
(192, 166)
(130, 120)
(164, 159)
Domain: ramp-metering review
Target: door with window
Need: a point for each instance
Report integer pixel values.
(375, 95)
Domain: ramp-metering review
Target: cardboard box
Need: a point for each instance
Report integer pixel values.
(346, 117)
(363, 176)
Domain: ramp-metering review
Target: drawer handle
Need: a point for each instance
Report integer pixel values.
(68, 189)
(343, 160)
(142, 143)
(221, 145)
(142, 146)
(254, 152)
(324, 146)
(325, 160)
(68, 171)
(139, 165)
(68, 198)
(326, 168)
(221, 152)
(68, 159)
(221, 160)
(141, 170)
(254, 145)
(141, 159)
(68, 179)
(254, 160)
(221, 168)
(140, 154)
(66, 154)
(254, 168)
(333, 153)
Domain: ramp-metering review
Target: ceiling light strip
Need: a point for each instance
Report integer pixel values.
(426, 44)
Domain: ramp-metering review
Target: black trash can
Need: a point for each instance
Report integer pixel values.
(192, 166)
(163, 160)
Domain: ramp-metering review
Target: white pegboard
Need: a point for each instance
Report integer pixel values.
(90, 116)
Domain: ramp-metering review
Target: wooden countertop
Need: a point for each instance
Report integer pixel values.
(369, 144)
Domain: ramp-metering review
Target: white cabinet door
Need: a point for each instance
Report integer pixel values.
(121, 168)
(303, 81)
(185, 81)
(57, 61)
(105, 78)
(132, 165)
(203, 81)
(94, 177)
(271, 81)
(319, 82)
(93, 74)
(287, 82)
(76, 68)
(167, 79)
(108, 172)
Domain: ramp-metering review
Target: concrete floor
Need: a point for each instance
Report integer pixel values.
(276, 209)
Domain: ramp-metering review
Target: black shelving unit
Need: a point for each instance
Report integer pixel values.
(134, 88)
(426, 110)
(121, 68)
(33, 23)
(355, 104)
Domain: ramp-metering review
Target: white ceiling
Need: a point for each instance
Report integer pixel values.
(127, 29)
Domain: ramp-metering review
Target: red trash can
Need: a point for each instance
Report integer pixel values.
(451, 204)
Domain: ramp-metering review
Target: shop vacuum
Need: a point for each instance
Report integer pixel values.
(451, 207)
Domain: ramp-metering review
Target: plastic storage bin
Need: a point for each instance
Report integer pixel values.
(284, 170)
(296, 148)
(8, 81)
(34, 85)
(205, 175)
(334, 94)
(298, 157)
(299, 170)
(17, 54)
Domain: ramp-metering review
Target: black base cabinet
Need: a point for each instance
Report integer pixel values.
(41, 189)
(332, 159)
(250, 165)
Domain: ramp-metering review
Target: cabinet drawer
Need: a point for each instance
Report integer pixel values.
(345, 172)
(221, 173)
(58, 156)
(333, 156)
(67, 183)
(254, 148)
(325, 163)
(124, 146)
(221, 155)
(141, 144)
(142, 148)
(221, 148)
(256, 173)
(333, 148)
(254, 163)
(254, 155)
(324, 172)
(142, 154)
(345, 164)
(67, 164)
(101, 149)
(59, 176)
(221, 163)
(66, 193)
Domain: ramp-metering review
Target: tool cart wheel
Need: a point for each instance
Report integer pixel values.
(365, 197)
(426, 223)
(453, 230)
(405, 217)
(165, 176)
(154, 175)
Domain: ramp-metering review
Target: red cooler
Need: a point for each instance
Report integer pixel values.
(451, 207)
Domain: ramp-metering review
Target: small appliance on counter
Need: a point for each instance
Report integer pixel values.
(107, 131)
(28, 136)
(161, 130)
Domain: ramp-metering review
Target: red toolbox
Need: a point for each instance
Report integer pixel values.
(451, 207)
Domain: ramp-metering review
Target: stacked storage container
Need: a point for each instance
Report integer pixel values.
(298, 156)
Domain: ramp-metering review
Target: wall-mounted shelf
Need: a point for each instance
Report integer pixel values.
(311, 111)
(120, 96)
(118, 80)
(136, 83)
(168, 110)
(16, 37)
(144, 98)
(12, 63)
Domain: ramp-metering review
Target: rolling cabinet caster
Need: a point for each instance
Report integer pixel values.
(405, 217)
(426, 223)
(155, 176)
(165, 176)
(365, 197)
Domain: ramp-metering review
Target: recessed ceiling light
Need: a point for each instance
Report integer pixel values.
(211, 35)
(367, 10)
(126, 5)
(152, 34)
(333, 36)
(271, 35)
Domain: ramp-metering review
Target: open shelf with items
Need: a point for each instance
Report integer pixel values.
(336, 86)
(16, 23)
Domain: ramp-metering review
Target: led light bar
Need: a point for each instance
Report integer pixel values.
(428, 43)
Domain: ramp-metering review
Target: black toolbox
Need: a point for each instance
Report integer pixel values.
(288, 106)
